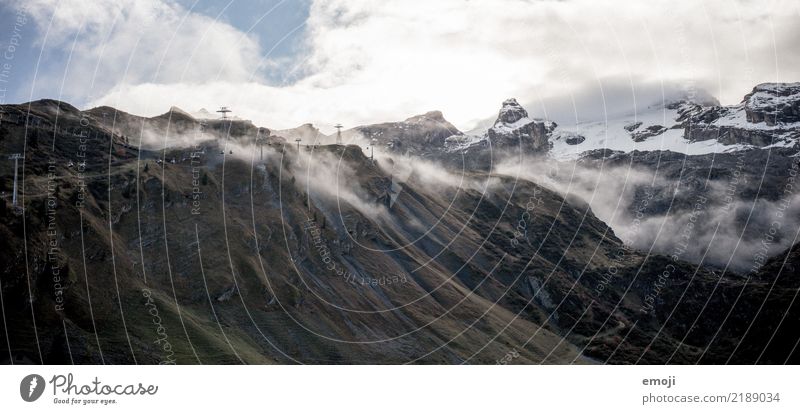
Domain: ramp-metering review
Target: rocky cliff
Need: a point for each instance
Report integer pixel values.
(513, 128)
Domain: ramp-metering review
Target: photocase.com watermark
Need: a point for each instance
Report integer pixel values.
(350, 277)
(618, 258)
(161, 331)
(763, 253)
(53, 247)
(195, 160)
(508, 357)
(10, 50)
(31, 387)
(80, 154)
(685, 237)
(66, 390)
(521, 227)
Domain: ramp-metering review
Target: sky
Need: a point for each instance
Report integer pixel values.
(283, 63)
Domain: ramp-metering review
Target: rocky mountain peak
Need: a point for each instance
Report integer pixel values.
(174, 110)
(176, 114)
(773, 103)
(513, 128)
(511, 112)
(435, 116)
(51, 106)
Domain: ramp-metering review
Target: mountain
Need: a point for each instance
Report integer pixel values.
(774, 104)
(769, 116)
(421, 135)
(430, 136)
(232, 245)
(766, 118)
(267, 294)
(513, 128)
(175, 127)
(686, 125)
(307, 133)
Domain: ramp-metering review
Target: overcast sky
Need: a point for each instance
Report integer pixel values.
(284, 63)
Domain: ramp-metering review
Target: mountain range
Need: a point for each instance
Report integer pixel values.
(664, 236)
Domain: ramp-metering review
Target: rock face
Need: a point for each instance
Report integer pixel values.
(632, 126)
(575, 139)
(768, 115)
(420, 135)
(513, 131)
(731, 135)
(773, 103)
(651, 131)
(514, 128)
(511, 112)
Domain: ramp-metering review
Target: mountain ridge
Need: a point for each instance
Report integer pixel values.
(324, 255)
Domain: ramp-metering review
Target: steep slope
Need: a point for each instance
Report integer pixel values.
(144, 278)
(323, 256)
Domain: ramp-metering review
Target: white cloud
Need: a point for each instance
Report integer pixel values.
(373, 61)
(133, 42)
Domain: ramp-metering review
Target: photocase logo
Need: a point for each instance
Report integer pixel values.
(31, 387)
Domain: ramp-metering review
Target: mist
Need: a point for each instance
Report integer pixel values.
(699, 228)
(708, 230)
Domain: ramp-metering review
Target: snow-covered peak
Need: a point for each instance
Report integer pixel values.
(652, 129)
(511, 113)
(513, 127)
(773, 103)
(778, 89)
(767, 117)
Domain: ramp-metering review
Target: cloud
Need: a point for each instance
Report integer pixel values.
(120, 44)
(719, 234)
(366, 61)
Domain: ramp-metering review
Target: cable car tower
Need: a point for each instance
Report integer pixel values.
(224, 111)
(260, 141)
(16, 158)
(372, 150)
(338, 133)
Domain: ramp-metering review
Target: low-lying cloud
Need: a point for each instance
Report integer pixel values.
(698, 227)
